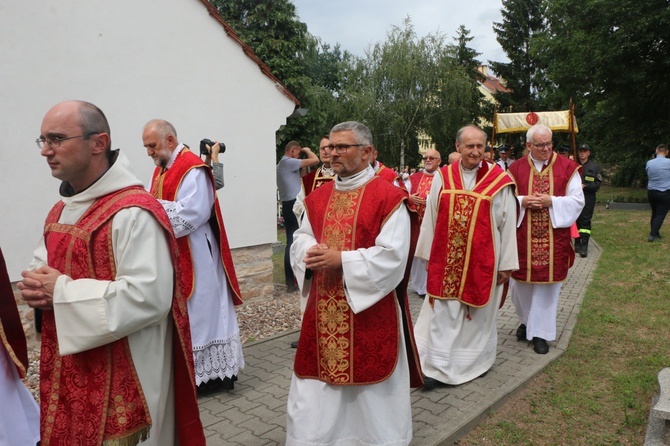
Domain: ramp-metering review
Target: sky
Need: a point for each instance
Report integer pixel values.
(359, 24)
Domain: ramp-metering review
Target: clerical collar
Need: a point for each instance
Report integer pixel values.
(327, 171)
(473, 169)
(173, 156)
(544, 163)
(351, 177)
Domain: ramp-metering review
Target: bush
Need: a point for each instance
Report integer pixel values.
(630, 173)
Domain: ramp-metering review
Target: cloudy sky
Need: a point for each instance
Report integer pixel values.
(357, 24)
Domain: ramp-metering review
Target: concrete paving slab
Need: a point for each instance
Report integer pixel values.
(254, 413)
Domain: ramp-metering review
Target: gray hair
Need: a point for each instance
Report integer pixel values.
(162, 127)
(360, 131)
(93, 120)
(537, 128)
(460, 132)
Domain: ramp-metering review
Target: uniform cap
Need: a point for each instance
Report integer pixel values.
(584, 147)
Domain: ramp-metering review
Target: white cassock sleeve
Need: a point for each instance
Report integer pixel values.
(427, 231)
(564, 211)
(299, 205)
(504, 208)
(90, 313)
(193, 207)
(368, 274)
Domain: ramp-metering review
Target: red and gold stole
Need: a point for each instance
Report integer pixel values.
(462, 263)
(337, 346)
(314, 180)
(164, 186)
(545, 252)
(421, 183)
(95, 396)
(11, 328)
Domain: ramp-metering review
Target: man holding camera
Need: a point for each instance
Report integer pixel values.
(211, 151)
(185, 187)
(288, 184)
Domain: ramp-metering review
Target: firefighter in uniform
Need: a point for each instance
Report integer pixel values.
(591, 180)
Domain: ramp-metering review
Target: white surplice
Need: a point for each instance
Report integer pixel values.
(536, 304)
(457, 343)
(90, 313)
(375, 414)
(19, 413)
(215, 334)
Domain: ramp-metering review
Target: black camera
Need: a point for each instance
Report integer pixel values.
(206, 142)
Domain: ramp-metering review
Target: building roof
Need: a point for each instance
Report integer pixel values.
(493, 84)
(249, 52)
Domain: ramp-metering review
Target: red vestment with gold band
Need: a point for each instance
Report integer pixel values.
(95, 396)
(337, 346)
(545, 252)
(164, 186)
(420, 185)
(462, 264)
(314, 180)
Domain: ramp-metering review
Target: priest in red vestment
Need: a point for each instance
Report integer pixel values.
(419, 187)
(550, 196)
(185, 186)
(356, 358)
(467, 237)
(116, 364)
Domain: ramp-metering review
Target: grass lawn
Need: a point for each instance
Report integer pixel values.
(599, 392)
(622, 194)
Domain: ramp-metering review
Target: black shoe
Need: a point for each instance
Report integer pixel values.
(294, 344)
(430, 383)
(540, 346)
(521, 332)
(653, 238)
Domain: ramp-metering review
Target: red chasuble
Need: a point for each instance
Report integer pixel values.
(11, 328)
(390, 175)
(315, 179)
(462, 263)
(95, 396)
(420, 185)
(337, 346)
(164, 186)
(545, 252)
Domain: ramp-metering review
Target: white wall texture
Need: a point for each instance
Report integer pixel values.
(136, 60)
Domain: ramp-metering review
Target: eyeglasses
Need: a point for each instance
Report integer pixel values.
(544, 145)
(430, 158)
(54, 141)
(342, 148)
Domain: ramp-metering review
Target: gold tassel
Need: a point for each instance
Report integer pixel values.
(130, 439)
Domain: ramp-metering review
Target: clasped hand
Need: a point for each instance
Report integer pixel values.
(37, 287)
(537, 201)
(320, 257)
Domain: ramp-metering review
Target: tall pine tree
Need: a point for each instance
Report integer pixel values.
(523, 75)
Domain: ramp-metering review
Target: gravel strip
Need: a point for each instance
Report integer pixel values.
(258, 319)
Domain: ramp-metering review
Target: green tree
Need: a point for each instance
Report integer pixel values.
(406, 86)
(523, 75)
(307, 68)
(612, 57)
(466, 57)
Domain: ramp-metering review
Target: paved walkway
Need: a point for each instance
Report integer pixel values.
(254, 413)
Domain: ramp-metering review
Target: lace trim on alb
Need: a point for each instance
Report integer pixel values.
(218, 359)
(179, 225)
